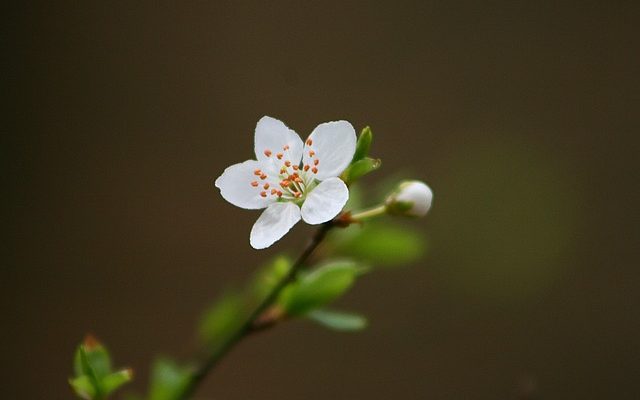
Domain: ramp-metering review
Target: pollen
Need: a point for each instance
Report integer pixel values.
(314, 170)
(312, 153)
(316, 162)
(309, 142)
(254, 183)
(263, 194)
(267, 153)
(266, 186)
(279, 155)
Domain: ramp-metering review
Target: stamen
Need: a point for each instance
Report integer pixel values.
(287, 163)
(306, 167)
(283, 170)
(285, 183)
(266, 186)
(286, 147)
(309, 142)
(273, 191)
(312, 153)
(279, 155)
(254, 183)
(257, 172)
(295, 167)
(263, 194)
(316, 162)
(314, 170)
(267, 153)
(263, 176)
(279, 193)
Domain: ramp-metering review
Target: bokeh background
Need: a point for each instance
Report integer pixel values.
(521, 115)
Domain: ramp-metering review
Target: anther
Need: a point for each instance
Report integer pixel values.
(287, 163)
(273, 191)
(263, 176)
(316, 162)
(279, 193)
(266, 186)
(267, 153)
(312, 153)
(254, 183)
(314, 170)
(279, 155)
(295, 168)
(263, 194)
(286, 147)
(306, 167)
(257, 172)
(285, 183)
(309, 142)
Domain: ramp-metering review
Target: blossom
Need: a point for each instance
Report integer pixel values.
(290, 178)
(412, 198)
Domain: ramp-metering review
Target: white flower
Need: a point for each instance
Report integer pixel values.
(412, 198)
(291, 179)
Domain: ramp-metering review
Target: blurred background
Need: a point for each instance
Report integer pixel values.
(522, 117)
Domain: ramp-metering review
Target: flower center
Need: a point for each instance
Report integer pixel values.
(287, 181)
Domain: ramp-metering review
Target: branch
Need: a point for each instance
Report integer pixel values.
(248, 326)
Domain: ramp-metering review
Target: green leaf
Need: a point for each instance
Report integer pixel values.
(114, 380)
(339, 321)
(382, 244)
(363, 145)
(83, 386)
(360, 168)
(168, 380)
(319, 287)
(92, 358)
(267, 278)
(223, 318)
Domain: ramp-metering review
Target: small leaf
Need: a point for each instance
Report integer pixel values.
(339, 321)
(267, 278)
(92, 358)
(364, 144)
(360, 168)
(168, 380)
(83, 386)
(114, 380)
(319, 287)
(382, 244)
(223, 318)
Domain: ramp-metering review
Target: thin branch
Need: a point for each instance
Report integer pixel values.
(207, 366)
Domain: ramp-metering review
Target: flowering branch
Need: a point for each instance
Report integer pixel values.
(257, 313)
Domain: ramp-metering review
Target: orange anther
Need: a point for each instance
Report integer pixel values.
(309, 142)
(263, 176)
(314, 170)
(279, 193)
(263, 194)
(316, 162)
(266, 186)
(273, 191)
(285, 183)
(267, 153)
(286, 147)
(279, 155)
(287, 163)
(257, 172)
(254, 184)
(295, 168)
(312, 153)
(306, 167)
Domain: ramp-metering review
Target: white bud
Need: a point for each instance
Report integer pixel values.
(412, 198)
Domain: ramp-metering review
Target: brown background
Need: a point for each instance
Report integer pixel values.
(520, 115)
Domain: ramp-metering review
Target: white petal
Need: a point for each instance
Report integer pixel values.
(325, 201)
(272, 136)
(273, 224)
(235, 186)
(333, 144)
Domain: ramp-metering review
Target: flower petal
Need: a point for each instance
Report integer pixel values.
(273, 137)
(273, 224)
(331, 145)
(236, 188)
(325, 201)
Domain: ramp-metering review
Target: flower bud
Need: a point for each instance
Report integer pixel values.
(411, 198)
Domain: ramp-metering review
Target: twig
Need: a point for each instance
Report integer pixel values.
(207, 366)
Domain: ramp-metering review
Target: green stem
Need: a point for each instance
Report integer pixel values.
(370, 213)
(212, 360)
